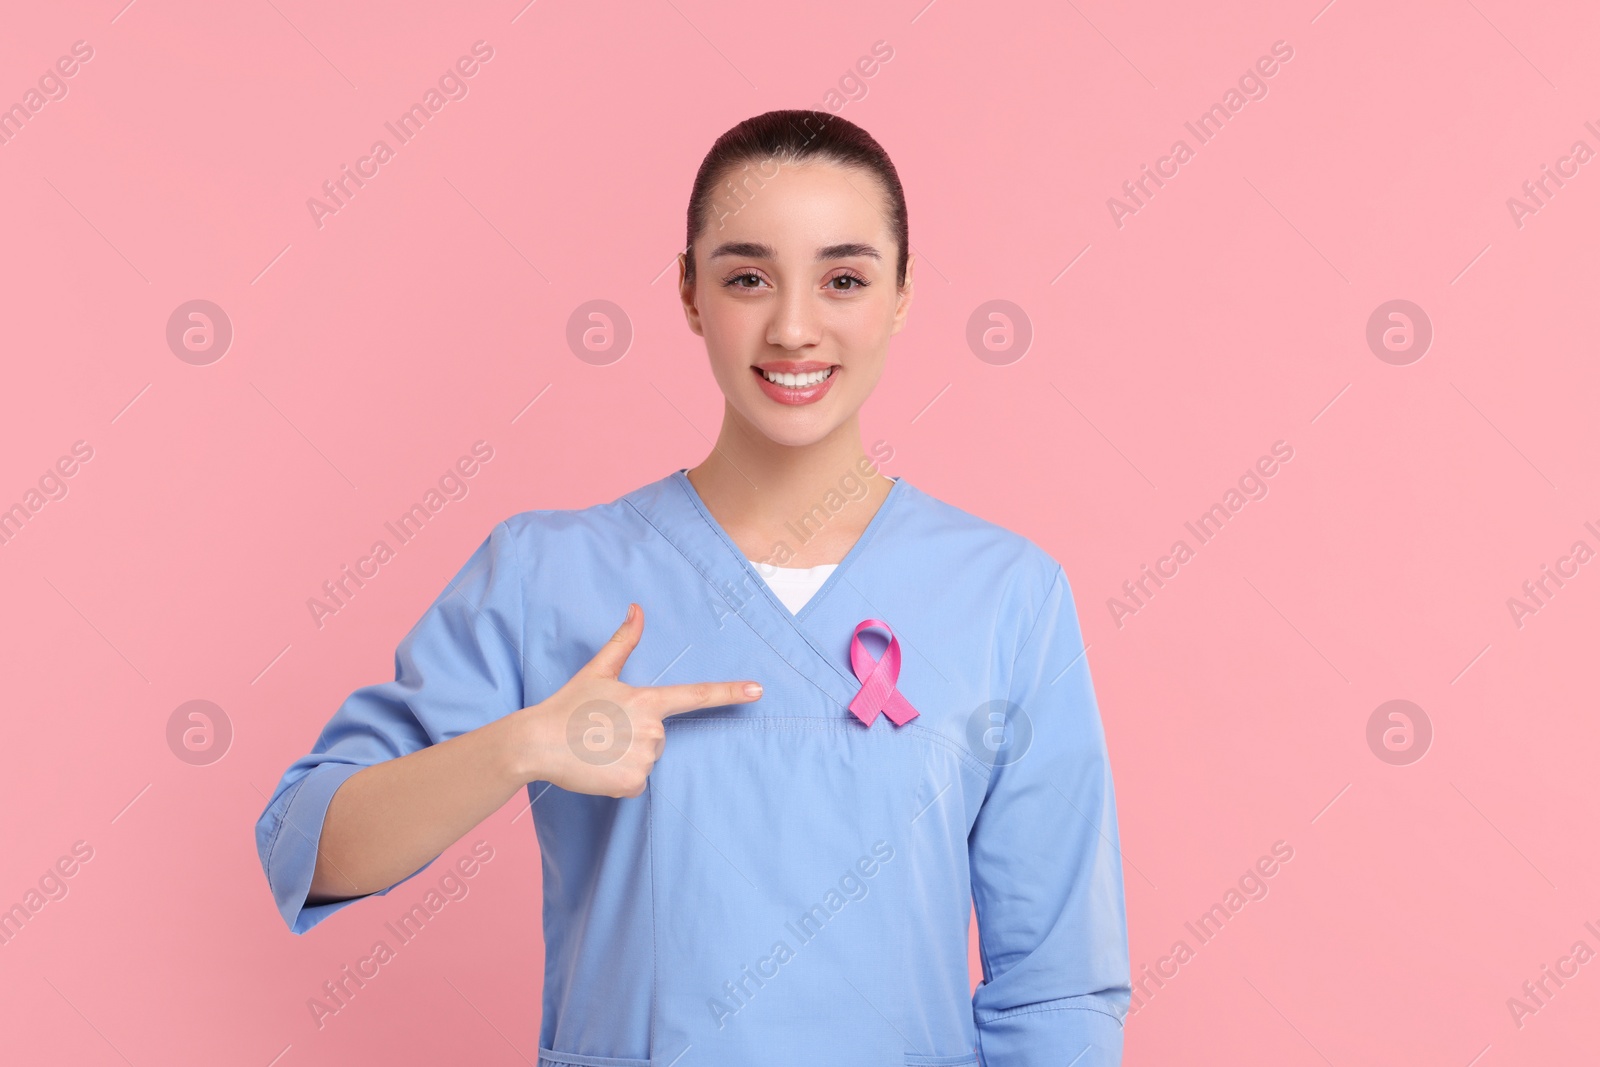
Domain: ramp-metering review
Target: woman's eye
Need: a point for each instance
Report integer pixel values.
(843, 283)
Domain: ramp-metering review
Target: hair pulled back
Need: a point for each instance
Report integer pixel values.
(789, 136)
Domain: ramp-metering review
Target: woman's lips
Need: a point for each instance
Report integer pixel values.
(784, 394)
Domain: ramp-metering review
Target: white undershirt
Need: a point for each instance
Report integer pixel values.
(794, 585)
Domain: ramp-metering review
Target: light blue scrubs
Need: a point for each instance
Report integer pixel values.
(793, 886)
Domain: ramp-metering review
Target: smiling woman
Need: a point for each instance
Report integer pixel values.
(692, 791)
(814, 262)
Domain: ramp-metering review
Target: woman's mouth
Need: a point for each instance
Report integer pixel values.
(795, 383)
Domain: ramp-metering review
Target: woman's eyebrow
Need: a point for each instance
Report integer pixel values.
(756, 250)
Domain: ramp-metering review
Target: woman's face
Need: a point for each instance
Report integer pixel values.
(797, 283)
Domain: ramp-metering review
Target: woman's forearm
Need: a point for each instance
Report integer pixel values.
(387, 820)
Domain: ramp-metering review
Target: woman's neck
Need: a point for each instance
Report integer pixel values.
(793, 506)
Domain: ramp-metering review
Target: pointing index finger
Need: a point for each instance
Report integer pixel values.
(672, 699)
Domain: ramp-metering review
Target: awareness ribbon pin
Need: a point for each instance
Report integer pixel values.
(878, 678)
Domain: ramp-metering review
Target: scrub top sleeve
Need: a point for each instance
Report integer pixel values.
(1046, 866)
(458, 668)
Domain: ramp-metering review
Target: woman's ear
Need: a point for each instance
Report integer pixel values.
(902, 306)
(691, 313)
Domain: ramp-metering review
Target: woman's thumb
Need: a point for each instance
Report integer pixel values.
(608, 662)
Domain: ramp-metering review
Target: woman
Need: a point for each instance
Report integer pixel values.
(778, 868)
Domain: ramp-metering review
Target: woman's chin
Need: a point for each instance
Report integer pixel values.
(795, 437)
(792, 427)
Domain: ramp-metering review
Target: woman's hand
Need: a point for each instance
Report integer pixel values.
(599, 735)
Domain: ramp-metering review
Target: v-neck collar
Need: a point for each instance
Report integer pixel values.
(673, 506)
(681, 477)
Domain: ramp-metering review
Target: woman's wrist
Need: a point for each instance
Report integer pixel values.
(515, 750)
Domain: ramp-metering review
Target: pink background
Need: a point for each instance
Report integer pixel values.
(1229, 313)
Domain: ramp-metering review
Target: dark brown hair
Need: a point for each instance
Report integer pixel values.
(793, 136)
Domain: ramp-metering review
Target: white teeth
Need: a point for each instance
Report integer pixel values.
(797, 381)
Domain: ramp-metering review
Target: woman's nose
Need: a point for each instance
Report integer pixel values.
(795, 322)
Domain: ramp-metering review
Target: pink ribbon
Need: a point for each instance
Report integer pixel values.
(878, 678)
